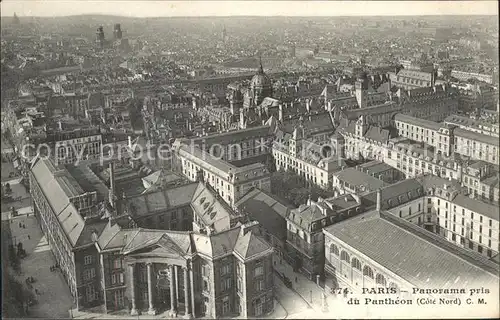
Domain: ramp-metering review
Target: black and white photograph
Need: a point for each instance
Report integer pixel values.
(250, 159)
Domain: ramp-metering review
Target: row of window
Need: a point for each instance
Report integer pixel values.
(479, 248)
(481, 217)
(414, 81)
(463, 229)
(52, 227)
(345, 259)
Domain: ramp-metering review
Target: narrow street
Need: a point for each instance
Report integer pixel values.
(289, 299)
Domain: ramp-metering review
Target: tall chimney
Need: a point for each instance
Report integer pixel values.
(379, 199)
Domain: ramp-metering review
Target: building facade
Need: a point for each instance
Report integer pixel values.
(305, 240)
(76, 145)
(224, 268)
(229, 162)
(411, 79)
(448, 140)
(446, 211)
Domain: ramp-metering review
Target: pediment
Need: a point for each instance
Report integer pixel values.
(162, 247)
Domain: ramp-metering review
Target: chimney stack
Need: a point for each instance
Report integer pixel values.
(379, 199)
(245, 228)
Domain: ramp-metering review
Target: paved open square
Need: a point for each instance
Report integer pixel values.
(54, 298)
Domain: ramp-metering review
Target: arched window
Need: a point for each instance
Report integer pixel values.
(344, 256)
(356, 264)
(380, 280)
(367, 271)
(334, 249)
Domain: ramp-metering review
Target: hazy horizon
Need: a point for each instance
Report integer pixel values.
(159, 9)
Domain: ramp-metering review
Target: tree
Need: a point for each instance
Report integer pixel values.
(293, 188)
(15, 298)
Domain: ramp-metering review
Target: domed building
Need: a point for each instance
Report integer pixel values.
(261, 86)
(252, 103)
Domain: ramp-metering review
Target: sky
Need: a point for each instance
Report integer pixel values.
(146, 8)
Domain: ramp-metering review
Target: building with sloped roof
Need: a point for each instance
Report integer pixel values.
(176, 246)
(482, 127)
(410, 79)
(448, 139)
(353, 180)
(358, 256)
(304, 240)
(271, 214)
(308, 149)
(230, 162)
(214, 275)
(432, 103)
(443, 207)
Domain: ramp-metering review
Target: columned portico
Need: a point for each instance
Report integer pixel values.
(160, 274)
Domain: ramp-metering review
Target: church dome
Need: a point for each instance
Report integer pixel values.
(260, 87)
(261, 80)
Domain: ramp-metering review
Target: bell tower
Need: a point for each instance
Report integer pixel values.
(361, 126)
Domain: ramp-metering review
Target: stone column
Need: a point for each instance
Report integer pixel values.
(101, 260)
(191, 282)
(131, 267)
(186, 294)
(172, 292)
(176, 269)
(151, 310)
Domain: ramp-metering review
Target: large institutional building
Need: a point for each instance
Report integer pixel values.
(116, 252)
(357, 258)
